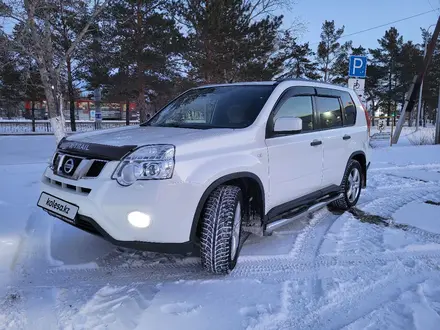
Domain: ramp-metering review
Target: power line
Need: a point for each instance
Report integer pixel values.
(433, 6)
(383, 25)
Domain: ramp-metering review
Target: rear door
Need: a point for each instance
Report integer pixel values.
(330, 120)
(295, 159)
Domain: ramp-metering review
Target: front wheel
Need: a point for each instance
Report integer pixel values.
(221, 230)
(351, 186)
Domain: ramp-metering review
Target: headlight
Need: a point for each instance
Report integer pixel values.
(51, 160)
(154, 162)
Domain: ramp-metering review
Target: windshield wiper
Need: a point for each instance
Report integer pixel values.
(189, 126)
(176, 125)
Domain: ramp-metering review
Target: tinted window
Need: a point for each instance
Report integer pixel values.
(349, 109)
(329, 111)
(298, 106)
(223, 106)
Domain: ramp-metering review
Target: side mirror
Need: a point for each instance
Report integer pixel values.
(288, 125)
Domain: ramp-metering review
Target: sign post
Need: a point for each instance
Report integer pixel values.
(437, 121)
(357, 72)
(98, 115)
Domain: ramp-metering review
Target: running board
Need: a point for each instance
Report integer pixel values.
(271, 227)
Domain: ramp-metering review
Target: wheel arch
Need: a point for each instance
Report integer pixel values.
(247, 181)
(362, 159)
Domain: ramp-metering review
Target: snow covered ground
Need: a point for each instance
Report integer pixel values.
(377, 267)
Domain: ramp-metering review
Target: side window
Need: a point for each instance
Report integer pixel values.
(329, 112)
(297, 106)
(349, 109)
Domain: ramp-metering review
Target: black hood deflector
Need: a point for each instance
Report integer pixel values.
(94, 150)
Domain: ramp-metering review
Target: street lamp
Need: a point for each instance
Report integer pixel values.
(419, 105)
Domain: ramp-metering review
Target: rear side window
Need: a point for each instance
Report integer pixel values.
(329, 112)
(349, 109)
(300, 107)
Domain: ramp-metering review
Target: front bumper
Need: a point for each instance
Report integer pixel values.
(104, 206)
(91, 226)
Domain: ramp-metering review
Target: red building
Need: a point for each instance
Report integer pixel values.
(84, 110)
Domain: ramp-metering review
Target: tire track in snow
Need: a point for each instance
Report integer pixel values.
(282, 269)
(356, 304)
(312, 307)
(309, 241)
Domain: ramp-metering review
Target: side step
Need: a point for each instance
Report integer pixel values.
(271, 227)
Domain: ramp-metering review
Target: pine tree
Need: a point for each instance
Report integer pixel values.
(149, 47)
(33, 87)
(386, 57)
(297, 59)
(11, 92)
(97, 55)
(329, 48)
(408, 64)
(227, 43)
(373, 86)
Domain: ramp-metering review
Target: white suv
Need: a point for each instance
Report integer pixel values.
(216, 162)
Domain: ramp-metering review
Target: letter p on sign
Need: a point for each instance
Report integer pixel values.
(358, 66)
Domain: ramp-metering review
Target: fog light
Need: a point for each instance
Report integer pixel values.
(139, 219)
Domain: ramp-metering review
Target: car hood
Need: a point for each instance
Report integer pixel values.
(143, 135)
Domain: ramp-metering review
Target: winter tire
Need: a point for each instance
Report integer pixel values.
(351, 186)
(221, 230)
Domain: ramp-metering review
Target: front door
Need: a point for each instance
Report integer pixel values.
(295, 160)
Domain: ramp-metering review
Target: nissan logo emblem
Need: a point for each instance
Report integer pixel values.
(68, 166)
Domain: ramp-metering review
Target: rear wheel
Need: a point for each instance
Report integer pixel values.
(351, 186)
(221, 230)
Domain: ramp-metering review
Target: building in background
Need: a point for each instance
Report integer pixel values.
(84, 110)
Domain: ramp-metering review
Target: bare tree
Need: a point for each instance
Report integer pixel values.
(267, 7)
(32, 35)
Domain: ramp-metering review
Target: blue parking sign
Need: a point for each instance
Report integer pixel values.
(358, 66)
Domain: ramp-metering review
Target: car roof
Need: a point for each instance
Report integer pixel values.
(309, 82)
(243, 83)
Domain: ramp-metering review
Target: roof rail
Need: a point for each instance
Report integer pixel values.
(309, 80)
(294, 79)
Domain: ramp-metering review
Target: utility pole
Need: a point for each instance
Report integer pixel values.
(437, 122)
(410, 100)
(419, 105)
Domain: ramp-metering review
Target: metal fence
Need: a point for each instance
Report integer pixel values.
(44, 126)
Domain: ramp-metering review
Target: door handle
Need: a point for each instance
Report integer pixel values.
(346, 137)
(315, 143)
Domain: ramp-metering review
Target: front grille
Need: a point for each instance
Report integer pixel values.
(65, 186)
(96, 168)
(75, 167)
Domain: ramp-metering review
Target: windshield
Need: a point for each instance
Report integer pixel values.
(214, 107)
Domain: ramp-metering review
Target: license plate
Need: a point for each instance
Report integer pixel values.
(58, 206)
